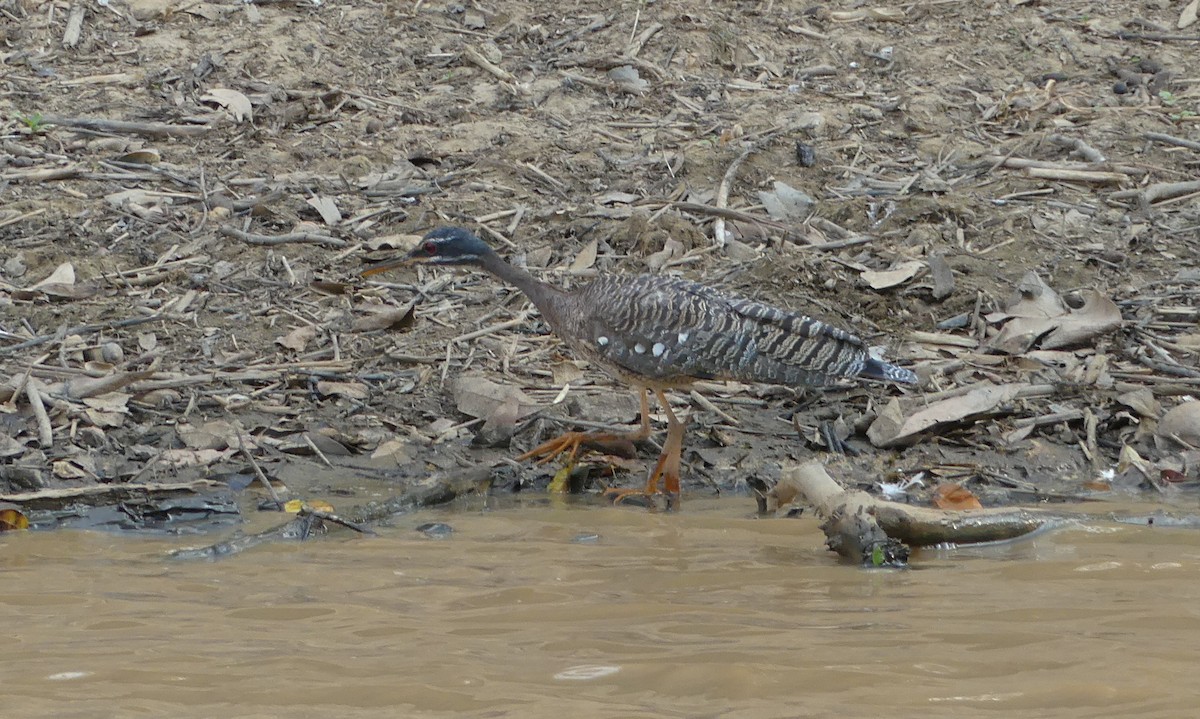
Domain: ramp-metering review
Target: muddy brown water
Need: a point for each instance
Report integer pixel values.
(582, 611)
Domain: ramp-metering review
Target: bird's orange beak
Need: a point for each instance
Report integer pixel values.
(415, 257)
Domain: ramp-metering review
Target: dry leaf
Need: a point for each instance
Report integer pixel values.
(327, 207)
(1183, 422)
(70, 469)
(1038, 313)
(386, 318)
(672, 248)
(351, 390)
(140, 157)
(236, 103)
(64, 274)
(479, 397)
(955, 496)
(110, 402)
(397, 449)
(586, 257)
(11, 517)
(10, 447)
(214, 434)
(898, 275)
(1188, 16)
(297, 339)
(565, 372)
(892, 429)
(180, 458)
(785, 203)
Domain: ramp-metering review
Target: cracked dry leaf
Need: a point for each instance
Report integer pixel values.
(480, 397)
(893, 429)
(297, 339)
(1037, 315)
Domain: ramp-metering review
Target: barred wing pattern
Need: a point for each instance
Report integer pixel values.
(668, 330)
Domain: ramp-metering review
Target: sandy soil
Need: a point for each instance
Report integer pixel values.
(580, 141)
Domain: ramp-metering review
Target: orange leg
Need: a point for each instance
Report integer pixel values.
(570, 442)
(667, 467)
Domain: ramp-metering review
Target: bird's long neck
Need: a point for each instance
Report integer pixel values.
(546, 298)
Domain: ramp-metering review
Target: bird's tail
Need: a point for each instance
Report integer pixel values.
(878, 369)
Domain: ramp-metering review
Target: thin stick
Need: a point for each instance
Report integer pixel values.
(317, 450)
(80, 330)
(122, 127)
(722, 198)
(256, 239)
(262, 476)
(45, 430)
(490, 329)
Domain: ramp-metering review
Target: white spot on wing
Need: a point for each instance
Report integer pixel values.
(658, 349)
(639, 348)
(683, 337)
(601, 340)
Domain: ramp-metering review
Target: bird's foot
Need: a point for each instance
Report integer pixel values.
(642, 498)
(570, 442)
(667, 470)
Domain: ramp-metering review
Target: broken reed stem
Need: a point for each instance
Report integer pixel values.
(123, 127)
(262, 476)
(309, 237)
(722, 198)
(45, 430)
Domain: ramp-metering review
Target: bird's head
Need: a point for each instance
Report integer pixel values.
(441, 246)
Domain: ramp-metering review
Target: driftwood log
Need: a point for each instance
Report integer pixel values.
(862, 528)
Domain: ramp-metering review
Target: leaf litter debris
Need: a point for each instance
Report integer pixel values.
(178, 290)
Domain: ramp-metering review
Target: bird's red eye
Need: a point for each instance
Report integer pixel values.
(430, 248)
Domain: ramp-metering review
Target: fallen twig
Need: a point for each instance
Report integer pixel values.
(124, 127)
(79, 330)
(1172, 140)
(256, 239)
(722, 198)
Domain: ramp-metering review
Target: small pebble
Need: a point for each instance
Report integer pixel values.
(1120, 88)
(436, 530)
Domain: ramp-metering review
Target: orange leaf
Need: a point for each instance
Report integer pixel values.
(12, 518)
(955, 496)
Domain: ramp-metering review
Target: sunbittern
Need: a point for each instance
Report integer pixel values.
(658, 333)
